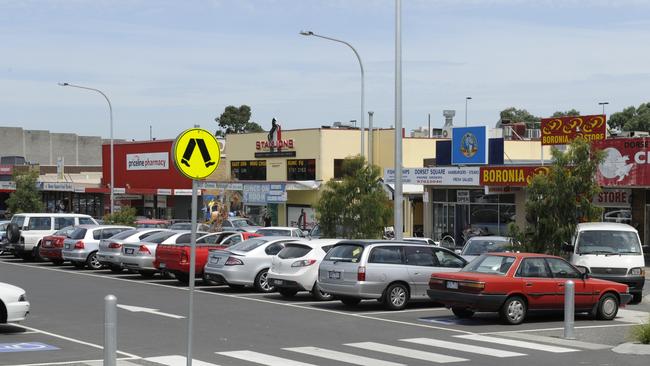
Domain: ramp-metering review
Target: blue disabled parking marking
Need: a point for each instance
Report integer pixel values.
(25, 347)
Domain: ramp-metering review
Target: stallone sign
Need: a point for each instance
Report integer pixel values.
(563, 130)
(511, 176)
(626, 162)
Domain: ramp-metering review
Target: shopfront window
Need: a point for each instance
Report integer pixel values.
(248, 170)
(301, 169)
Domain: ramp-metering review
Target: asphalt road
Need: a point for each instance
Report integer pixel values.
(247, 328)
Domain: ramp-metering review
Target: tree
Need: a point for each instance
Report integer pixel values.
(556, 202)
(631, 119)
(570, 113)
(355, 207)
(236, 120)
(513, 114)
(125, 216)
(26, 198)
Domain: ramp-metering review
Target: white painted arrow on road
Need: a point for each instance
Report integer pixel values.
(138, 309)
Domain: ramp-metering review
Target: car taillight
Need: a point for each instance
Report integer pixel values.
(144, 250)
(114, 245)
(361, 273)
(58, 243)
(183, 257)
(303, 263)
(232, 261)
(79, 245)
(473, 286)
(435, 281)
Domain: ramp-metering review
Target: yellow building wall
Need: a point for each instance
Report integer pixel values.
(524, 150)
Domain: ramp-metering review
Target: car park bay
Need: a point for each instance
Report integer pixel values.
(241, 327)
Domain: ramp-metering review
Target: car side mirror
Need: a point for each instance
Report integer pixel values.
(585, 275)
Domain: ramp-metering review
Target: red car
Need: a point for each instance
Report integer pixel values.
(514, 283)
(52, 245)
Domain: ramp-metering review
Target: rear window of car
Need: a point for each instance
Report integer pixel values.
(345, 253)
(273, 232)
(160, 237)
(148, 234)
(247, 245)
(294, 251)
(86, 221)
(78, 233)
(490, 264)
(124, 234)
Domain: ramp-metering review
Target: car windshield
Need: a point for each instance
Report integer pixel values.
(160, 237)
(608, 242)
(490, 264)
(480, 246)
(247, 245)
(274, 232)
(78, 233)
(124, 234)
(242, 223)
(345, 253)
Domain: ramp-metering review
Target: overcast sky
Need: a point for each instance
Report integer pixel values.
(173, 64)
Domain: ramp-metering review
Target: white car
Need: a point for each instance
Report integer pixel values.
(295, 268)
(13, 305)
(422, 240)
(281, 231)
(246, 263)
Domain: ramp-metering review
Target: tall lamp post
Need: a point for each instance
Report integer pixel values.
(603, 104)
(466, 100)
(310, 33)
(110, 111)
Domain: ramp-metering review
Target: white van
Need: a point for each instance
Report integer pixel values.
(610, 251)
(27, 229)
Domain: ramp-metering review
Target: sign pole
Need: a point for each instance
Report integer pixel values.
(190, 318)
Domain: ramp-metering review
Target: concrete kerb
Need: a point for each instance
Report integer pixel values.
(632, 349)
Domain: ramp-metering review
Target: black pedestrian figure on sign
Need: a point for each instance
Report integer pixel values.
(205, 154)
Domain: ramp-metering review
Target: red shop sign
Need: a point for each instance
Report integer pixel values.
(563, 130)
(626, 162)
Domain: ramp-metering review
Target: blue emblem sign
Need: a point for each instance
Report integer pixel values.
(469, 145)
(25, 347)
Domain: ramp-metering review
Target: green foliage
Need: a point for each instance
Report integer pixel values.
(355, 207)
(236, 120)
(513, 114)
(125, 216)
(26, 198)
(556, 202)
(641, 333)
(631, 118)
(570, 113)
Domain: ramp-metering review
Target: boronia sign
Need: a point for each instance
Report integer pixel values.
(510, 176)
(563, 130)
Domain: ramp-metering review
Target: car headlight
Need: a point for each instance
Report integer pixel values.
(22, 298)
(637, 271)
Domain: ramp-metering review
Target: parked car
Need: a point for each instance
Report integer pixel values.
(281, 231)
(246, 263)
(176, 257)
(239, 224)
(141, 256)
(315, 232)
(3, 235)
(610, 251)
(26, 231)
(421, 240)
(478, 245)
(13, 304)
(52, 246)
(512, 284)
(82, 244)
(295, 268)
(152, 223)
(188, 226)
(110, 250)
(391, 271)
(170, 255)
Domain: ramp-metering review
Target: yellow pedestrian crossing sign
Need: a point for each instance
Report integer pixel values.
(196, 153)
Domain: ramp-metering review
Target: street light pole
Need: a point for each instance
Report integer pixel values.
(398, 220)
(310, 33)
(466, 100)
(110, 111)
(603, 104)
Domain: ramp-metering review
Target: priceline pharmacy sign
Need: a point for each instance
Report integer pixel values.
(148, 161)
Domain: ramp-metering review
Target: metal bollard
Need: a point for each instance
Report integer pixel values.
(110, 330)
(569, 309)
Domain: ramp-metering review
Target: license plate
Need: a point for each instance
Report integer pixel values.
(67, 246)
(278, 282)
(452, 285)
(162, 265)
(214, 260)
(129, 250)
(334, 275)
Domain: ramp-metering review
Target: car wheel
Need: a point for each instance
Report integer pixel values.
(513, 311)
(350, 301)
(607, 307)
(287, 292)
(262, 283)
(57, 262)
(79, 265)
(319, 295)
(116, 269)
(636, 298)
(147, 274)
(183, 278)
(462, 313)
(93, 261)
(396, 296)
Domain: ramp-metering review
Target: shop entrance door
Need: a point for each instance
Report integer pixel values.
(461, 222)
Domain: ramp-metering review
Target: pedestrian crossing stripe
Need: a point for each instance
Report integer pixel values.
(196, 153)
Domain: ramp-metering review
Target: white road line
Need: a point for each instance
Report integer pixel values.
(342, 356)
(177, 361)
(315, 302)
(356, 315)
(406, 352)
(263, 359)
(463, 347)
(516, 343)
(558, 328)
(70, 362)
(74, 340)
(555, 340)
(405, 311)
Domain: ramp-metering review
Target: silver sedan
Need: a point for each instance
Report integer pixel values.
(110, 250)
